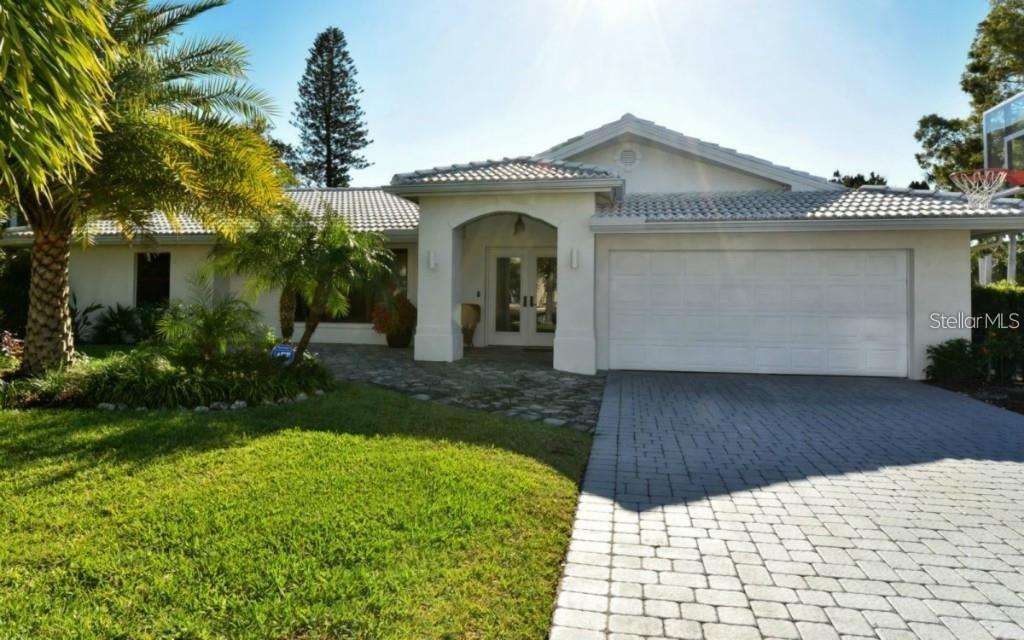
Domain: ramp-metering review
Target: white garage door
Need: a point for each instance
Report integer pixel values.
(814, 312)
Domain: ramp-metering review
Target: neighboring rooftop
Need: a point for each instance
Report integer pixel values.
(629, 124)
(863, 203)
(522, 169)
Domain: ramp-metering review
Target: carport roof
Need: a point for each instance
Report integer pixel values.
(865, 203)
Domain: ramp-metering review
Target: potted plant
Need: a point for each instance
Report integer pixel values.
(396, 319)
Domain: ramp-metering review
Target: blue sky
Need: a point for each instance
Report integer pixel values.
(813, 84)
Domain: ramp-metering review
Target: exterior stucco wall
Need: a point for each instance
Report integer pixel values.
(105, 274)
(446, 240)
(939, 272)
(663, 170)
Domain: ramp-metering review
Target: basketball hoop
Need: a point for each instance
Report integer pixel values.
(979, 187)
(1014, 177)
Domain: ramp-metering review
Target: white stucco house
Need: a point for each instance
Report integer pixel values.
(632, 246)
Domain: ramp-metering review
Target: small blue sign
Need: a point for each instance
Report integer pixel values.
(283, 352)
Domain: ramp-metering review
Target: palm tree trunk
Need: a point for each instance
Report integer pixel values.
(49, 342)
(286, 311)
(316, 311)
(312, 322)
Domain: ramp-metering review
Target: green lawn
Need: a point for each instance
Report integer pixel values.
(360, 514)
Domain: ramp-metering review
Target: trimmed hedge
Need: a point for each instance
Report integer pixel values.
(1003, 297)
(995, 353)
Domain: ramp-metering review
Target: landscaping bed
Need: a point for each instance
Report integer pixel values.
(990, 366)
(362, 513)
(1007, 396)
(207, 354)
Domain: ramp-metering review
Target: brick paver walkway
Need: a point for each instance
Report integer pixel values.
(507, 380)
(733, 507)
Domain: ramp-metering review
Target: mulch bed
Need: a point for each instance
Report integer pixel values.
(1009, 397)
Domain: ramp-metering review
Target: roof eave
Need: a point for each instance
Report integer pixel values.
(635, 224)
(506, 186)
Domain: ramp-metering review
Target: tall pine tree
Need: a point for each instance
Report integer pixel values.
(327, 114)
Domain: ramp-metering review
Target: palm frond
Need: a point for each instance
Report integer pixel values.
(163, 19)
(197, 58)
(54, 79)
(220, 97)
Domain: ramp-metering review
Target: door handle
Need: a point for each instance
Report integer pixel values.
(523, 303)
(531, 301)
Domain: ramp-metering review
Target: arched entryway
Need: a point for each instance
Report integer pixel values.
(509, 280)
(527, 260)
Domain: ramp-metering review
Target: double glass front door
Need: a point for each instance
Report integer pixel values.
(522, 296)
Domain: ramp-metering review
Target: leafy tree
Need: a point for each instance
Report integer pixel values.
(54, 75)
(328, 115)
(288, 155)
(948, 145)
(317, 256)
(858, 180)
(994, 72)
(918, 184)
(183, 138)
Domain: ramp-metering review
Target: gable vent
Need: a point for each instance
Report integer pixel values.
(628, 157)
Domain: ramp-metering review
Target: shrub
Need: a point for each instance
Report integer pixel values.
(126, 324)
(395, 317)
(81, 318)
(10, 346)
(8, 366)
(117, 325)
(1004, 350)
(955, 361)
(212, 331)
(146, 377)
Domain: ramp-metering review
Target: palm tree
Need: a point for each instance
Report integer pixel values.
(54, 80)
(183, 138)
(317, 256)
(270, 255)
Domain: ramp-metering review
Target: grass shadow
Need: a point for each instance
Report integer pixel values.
(82, 439)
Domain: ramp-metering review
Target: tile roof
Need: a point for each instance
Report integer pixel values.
(505, 170)
(365, 209)
(864, 203)
(630, 124)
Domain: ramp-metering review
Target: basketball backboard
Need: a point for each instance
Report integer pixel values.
(1003, 127)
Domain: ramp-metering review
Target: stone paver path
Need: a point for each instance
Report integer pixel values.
(733, 507)
(511, 381)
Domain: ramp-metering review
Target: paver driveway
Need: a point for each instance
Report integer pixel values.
(736, 506)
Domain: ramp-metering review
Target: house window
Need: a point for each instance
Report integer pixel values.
(362, 297)
(152, 278)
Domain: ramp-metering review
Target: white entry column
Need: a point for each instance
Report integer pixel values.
(438, 336)
(575, 342)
